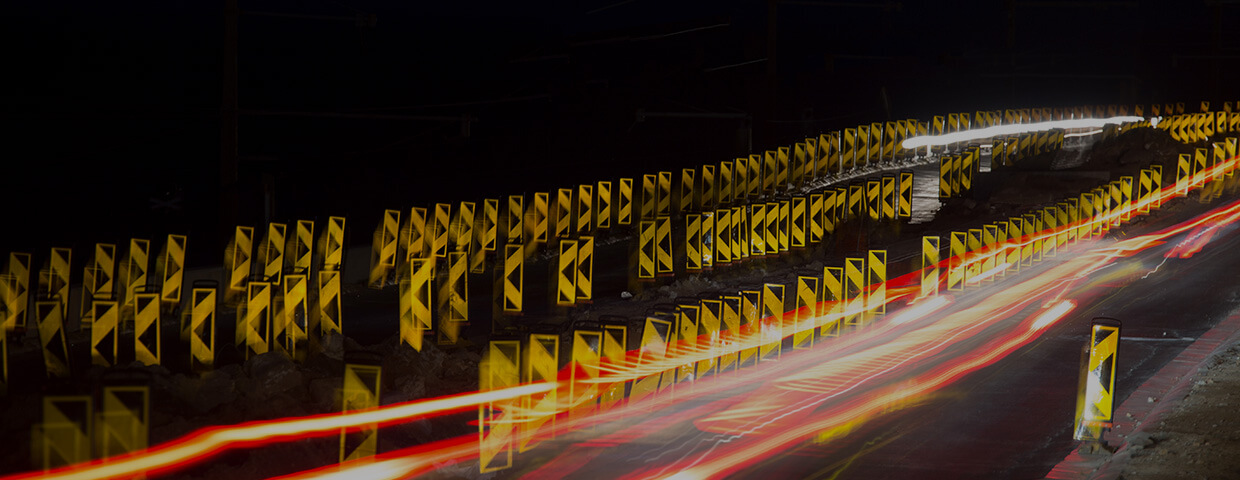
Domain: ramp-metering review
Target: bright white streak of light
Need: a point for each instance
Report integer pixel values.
(1085, 134)
(1054, 313)
(1003, 130)
(919, 310)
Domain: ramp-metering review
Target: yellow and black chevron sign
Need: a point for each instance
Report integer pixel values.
(726, 184)
(968, 165)
(687, 338)
(890, 200)
(798, 223)
(956, 261)
(725, 243)
(360, 392)
(656, 335)
(757, 229)
(710, 314)
(514, 277)
(876, 281)
(769, 171)
(1016, 237)
(649, 196)
(854, 291)
(873, 199)
(566, 274)
(707, 194)
(49, 316)
(929, 267)
(514, 219)
(443, 217)
(500, 369)
(754, 176)
(693, 242)
(645, 250)
(1183, 174)
(848, 150)
(1032, 227)
(770, 230)
(1095, 401)
(65, 436)
(906, 195)
(856, 201)
(816, 217)
(202, 329)
(771, 321)
(542, 363)
(688, 180)
(946, 173)
(663, 194)
(806, 312)
(585, 355)
(624, 202)
(833, 299)
(123, 423)
(782, 169)
(663, 245)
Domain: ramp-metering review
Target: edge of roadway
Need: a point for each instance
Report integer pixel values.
(1150, 403)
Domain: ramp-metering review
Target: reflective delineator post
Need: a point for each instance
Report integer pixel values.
(1096, 389)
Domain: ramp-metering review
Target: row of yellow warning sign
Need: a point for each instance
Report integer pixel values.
(697, 340)
(680, 343)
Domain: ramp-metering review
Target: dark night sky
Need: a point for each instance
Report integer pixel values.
(115, 104)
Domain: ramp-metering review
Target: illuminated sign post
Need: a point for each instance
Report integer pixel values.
(1096, 390)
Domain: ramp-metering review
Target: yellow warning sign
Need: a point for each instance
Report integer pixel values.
(646, 250)
(327, 315)
(332, 244)
(541, 365)
(873, 197)
(663, 195)
(300, 249)
(514, 277)
(566, 274)
(726, 186)
(905, 200)
(688, 190)
(1095, 400)
(799, 223)
(785, 218)
(603, 209)
(854, 291)
(538, 217)
(946, 173)
(956, 263)
(663, 244)
(771, 228)
(833, 302)
(693, 241)
(123, 425)
(271, 250)
(133, 269)
(489, 234)
(686, 339)
(929, 267)
(656, 335)
(360, 392)
(649, 195)
(202, 329)
(757, 224)
(771, 321)
(15, 292)
(103, 332)
(723, 233)
(876, 282)
(585, 209)
(583, 371)
(806, 312)
(442, 229)
(415, 302)
(624, 202)
(500, 368)
(147, 345)
(49, 315)
(65, 436)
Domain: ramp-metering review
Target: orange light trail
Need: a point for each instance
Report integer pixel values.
(900, 341)
(213, 440)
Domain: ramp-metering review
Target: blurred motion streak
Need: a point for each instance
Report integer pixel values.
(820, 393)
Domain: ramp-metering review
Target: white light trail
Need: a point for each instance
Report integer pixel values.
(1003, 130)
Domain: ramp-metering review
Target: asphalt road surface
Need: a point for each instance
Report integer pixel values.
(984, 387)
